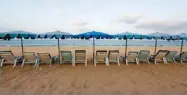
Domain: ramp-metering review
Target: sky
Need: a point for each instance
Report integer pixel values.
(109, 16)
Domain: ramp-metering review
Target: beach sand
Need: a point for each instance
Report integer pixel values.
(146, 79)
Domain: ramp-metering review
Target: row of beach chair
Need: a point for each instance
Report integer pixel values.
(102, 56)
(162, 55)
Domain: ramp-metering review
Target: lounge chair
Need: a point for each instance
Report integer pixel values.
(29, 57)
(45, 58)
(182, 57)
(143, 56)
(160, 56)
(113, 56)
(7, 57)
(101, 57)
(80, 57)
(66, 57)
(170, 57)
(132, 57)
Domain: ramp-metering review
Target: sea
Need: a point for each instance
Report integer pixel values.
(82, 42)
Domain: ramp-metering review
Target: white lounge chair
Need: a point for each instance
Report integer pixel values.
(113, 56)
(45, 58)
(30, 58)
(7, 57)
(182, 57)
(66, 57)
(101, 57)
(132, 57)
(143, 56)
(80, 57)
(160, 56)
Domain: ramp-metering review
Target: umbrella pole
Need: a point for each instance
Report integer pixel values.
(126, 48)
(181, 46)
(155, 47)
(93, 49)
(22, 46)
(58, 51)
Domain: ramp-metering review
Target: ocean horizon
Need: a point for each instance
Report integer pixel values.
(98, 42)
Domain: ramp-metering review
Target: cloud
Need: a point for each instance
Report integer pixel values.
(79, 23)
(3, 29)
(164, 26)
(130, 19)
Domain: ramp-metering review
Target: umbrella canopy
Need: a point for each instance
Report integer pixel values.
(93, 34)
(55, 34)
(129, 35)
(182, 36)
(17, 34)
(163, 36)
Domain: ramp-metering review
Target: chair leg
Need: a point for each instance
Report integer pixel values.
(95, 62)
(118, 61)
(148, 61)
(137, 61)
(73, 62)
(50, 62)
(107, 62)
(86, 63)
(126, 61)
(155, 62)
(2, 60)
(174, 60)
(181, 62)
(15, 62)
(37, 62)
(23, 62)
(165, 60)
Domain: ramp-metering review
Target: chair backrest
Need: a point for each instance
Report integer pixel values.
(44, 56)
(171, 54)
(29, 56)
(80, 55)
(132, 54)
(101, 55)
(143, 54)
(66, 55)
(7, 55)
(161, 53)
(184, 55)
(113, 54)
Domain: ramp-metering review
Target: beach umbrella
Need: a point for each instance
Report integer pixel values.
(158, 36)
(17, 34)
(182, 37)
(129, 35)
(94, 35)
(57, 35)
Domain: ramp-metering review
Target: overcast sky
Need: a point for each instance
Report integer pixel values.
(109, 16)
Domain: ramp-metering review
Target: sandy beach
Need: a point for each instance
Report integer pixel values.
(146, 79)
